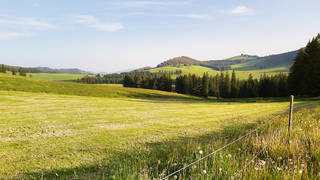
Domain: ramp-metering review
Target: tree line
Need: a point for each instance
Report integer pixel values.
(224, 86)
(158, 82)
(14, 70)
(116, 78)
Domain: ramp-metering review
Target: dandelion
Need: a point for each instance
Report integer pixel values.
(300, 171)
(204, 172)
(201, 152)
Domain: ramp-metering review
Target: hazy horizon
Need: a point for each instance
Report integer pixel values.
(110, 36)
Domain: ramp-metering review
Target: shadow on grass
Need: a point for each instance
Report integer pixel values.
(154, 158)
(136, 162)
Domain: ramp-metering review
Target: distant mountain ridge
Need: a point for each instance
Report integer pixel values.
(47, 70)
(247, 62)
(62, 70)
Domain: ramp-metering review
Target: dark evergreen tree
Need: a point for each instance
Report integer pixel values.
(205, 85)
(3, 69)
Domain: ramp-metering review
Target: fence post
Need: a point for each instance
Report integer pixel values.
(290, 114)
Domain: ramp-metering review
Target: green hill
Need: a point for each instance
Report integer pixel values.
(27, 84)
(243, 65)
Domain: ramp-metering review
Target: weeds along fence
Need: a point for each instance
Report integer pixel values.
(268, 122)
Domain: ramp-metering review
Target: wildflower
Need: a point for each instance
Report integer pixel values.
(229, 155)
(194, 166)
(159, 161)
(220, 169)
(262, 162)
(300, 171)
(290, 141)
(201, 152)
(256, 168)
(290, 160)
(204, 172)
(279, 169)
(175, 177)
(174, 164)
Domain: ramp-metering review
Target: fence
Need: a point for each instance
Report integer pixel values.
(238, 173)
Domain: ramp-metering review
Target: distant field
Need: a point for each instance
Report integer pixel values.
(60, 130)
(56, 76)
(199, 70)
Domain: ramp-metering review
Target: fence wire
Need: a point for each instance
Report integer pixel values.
(234, 141)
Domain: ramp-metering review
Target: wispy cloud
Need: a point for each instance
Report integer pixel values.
(130, 4)
(192, 16)
(241, 10)
(14, 35)
(25, 23)
(94, 22)
(21, 27)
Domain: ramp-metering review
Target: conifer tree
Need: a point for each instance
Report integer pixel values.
(205, 85)
(3, 69)
(234, 88)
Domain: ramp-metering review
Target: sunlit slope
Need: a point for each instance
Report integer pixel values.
(199, 70)
(27, 84)
(56, 76)
(53, 134)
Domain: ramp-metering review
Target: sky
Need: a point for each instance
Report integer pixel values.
(115, 35)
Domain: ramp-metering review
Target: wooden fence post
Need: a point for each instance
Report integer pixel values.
(290, 114)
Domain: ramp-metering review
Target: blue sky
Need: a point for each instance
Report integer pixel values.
(112, 35)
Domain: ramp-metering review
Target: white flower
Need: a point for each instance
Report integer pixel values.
(159, 161)
(229, 155)
(201, 152)
(175, 177)
(220, 169)
(279, 169)
(262, 162)
(280, 157)
(300, 171)
(302, 165)
(204, 172)
(290, 160)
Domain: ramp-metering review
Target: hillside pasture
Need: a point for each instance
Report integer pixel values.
(199, 70)
(60, 130)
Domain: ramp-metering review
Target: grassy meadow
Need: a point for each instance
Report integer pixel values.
(62, 130)
(56, 76)
(199, 70)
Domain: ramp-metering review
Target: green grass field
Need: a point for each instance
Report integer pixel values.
(199, 70)
(56, 76)
(61, 130)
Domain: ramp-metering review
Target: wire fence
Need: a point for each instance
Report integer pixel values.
(238, 173)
